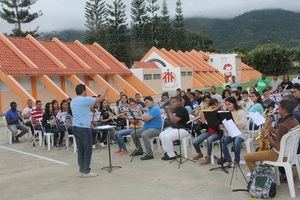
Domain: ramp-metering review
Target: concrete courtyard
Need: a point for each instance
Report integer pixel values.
(54, 176)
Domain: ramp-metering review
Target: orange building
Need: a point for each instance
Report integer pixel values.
(46, 70)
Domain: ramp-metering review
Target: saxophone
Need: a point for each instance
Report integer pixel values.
(262, 141)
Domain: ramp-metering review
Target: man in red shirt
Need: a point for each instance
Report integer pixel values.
(36, 115)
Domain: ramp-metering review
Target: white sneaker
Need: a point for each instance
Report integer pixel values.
(80, 174)
(91, 174)
(94, 146)
(102, 144)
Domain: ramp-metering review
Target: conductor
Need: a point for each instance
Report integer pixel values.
(80, 106)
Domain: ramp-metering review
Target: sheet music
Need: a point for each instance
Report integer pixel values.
(257, 118)
(231, 128)
(104, 127)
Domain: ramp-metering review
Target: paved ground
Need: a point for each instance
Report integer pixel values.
(29, 178)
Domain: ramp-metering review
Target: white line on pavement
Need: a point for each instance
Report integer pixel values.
(33, 155)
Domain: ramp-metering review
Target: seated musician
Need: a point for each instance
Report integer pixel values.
(273, 135)
(14, 118)
(106, 118)
(179, 119)
(152, 127)
(65, 119)
(51, 125)
(119, 135)
(211, 134)
(165, 101)
(122, 108)
(240, 119)
(63, 116)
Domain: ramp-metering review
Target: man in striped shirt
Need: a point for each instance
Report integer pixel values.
(36, 115)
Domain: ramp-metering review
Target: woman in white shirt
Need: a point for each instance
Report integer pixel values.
(240, 119)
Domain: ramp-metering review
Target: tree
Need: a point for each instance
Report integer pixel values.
(270, 59)
(198, 41)
(295, 54)
(140, 36)
(152, 8)
(17, 12)
(95, 14)
(117, 34)
(139, 18)
(165, 28)
(179, 39)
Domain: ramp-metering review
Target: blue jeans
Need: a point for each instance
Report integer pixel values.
(237, 148)
(38, 127)
(119, 137)
(84, 145)
(210, 139)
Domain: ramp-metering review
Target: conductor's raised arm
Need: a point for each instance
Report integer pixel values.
(101, 98)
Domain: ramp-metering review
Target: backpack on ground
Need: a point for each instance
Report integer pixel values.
(262, 182)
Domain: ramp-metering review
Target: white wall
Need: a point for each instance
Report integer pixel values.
(166, 68)
(138, 73)
(222, 61)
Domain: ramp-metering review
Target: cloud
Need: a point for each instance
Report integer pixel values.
(69, 14)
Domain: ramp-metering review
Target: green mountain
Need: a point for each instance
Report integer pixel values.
(64, 35)
(251, 28)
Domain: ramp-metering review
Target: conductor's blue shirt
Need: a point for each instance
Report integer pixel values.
(81, 106)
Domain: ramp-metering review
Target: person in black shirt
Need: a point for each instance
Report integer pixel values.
(51, 125)
(286, 82)
(106, 118)
(179, 118)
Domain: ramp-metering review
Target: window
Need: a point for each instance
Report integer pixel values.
(156, 76)
(189, 73)
(183, 73)
(147, 76)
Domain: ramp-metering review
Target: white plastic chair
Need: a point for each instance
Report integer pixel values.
(128, 136)
(8, 132)
(163, 117)
(212, 156)
(68, 136)
(37, 133)
(287, 158)
(192, 117)
(249, 143)
(47, 136)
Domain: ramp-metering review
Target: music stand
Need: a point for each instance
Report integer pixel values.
(235, 166)
(134, 115)
(214, 119)
(110, 167)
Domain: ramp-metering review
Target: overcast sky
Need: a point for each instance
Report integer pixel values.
(66, 14)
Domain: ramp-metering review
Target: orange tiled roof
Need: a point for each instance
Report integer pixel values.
(91, 60)
(144, 65)
(115, 66)
(63, 57)
(44, 64)
(246, 67)
(11, 63)
(87, 58)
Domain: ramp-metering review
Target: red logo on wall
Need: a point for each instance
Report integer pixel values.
(227, 70)
(168, 77)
